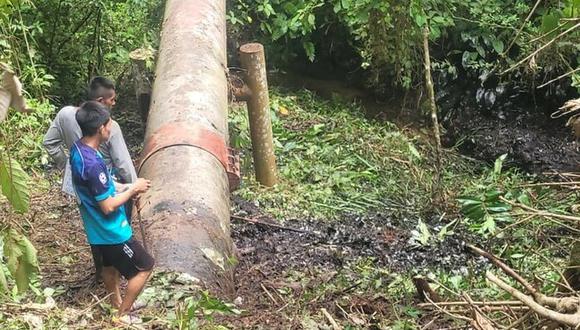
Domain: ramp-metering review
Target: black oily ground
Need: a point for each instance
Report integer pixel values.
(331, 245)
(533, 141)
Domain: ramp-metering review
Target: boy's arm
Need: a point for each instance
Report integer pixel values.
(112, 203)
(53, 144)
(102, 187)
(119, 155)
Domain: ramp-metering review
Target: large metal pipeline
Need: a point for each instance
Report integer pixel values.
(185, 215)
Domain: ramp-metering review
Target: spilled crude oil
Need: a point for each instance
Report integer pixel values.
(330, 245)
(492, 119)
(532, 140)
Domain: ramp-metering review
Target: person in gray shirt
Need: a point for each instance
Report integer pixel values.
(64, 131)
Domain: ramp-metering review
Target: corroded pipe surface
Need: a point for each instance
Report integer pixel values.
(185, 215)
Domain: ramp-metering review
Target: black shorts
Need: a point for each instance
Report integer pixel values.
(128, 258)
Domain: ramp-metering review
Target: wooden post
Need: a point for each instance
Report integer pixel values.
(142, 84)
(254, 62)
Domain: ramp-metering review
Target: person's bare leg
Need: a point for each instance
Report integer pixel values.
(111, 281)
(134, 287)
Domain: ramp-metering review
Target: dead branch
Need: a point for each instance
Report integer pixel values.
(330, 319)
(442, 310)
(541, 184)
(479, 320)
(496, 261)
(540, 212)
(568, 304)
(476, 303)
(568, 319)
(558, 78)
(520, 320)
(542, 48)
(522, 27)
(570, 106)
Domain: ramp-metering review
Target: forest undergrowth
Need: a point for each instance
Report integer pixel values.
(355, 218)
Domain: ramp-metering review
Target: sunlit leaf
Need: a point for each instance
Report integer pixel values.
(14, 182)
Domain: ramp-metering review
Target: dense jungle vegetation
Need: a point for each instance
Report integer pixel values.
(389, 213)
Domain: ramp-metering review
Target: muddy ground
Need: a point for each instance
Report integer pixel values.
(533, 141)
(269, 258)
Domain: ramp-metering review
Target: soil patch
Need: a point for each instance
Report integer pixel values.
(532, 140)
(332, 244)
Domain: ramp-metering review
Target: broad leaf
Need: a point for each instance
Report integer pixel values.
(498, 46)
(488, 225)
(21, 258)
(14, 182)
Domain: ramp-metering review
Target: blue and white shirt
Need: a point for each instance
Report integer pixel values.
(93, 184)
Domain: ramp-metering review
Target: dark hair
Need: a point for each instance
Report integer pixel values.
(91, 116)
(100, 87)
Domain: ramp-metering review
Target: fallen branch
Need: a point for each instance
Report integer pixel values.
(521, 28)
(564, 304)
(330, 319)
(479, 320)
(97, 302)
(520, 320)
(540, 212)
(504, 267)
(442, 310)
(558, 78)
(542, 48)
(541, 184)
(568, 319)
(566, 175)
(476, 303)
(269, 294)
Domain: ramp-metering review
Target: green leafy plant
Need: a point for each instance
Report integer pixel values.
(486, 208)
(14, 182)
(21, 260)
(421, 235)
(22, 134)
(477, 38)
(203, 307)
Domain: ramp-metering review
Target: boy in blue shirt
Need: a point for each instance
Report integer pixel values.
(102, 210)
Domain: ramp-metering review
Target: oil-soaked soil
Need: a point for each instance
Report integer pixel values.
(532, 140)
(333, 244)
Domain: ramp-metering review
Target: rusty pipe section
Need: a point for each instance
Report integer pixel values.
(185, 215)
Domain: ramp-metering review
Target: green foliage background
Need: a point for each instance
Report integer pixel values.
(473, 36)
